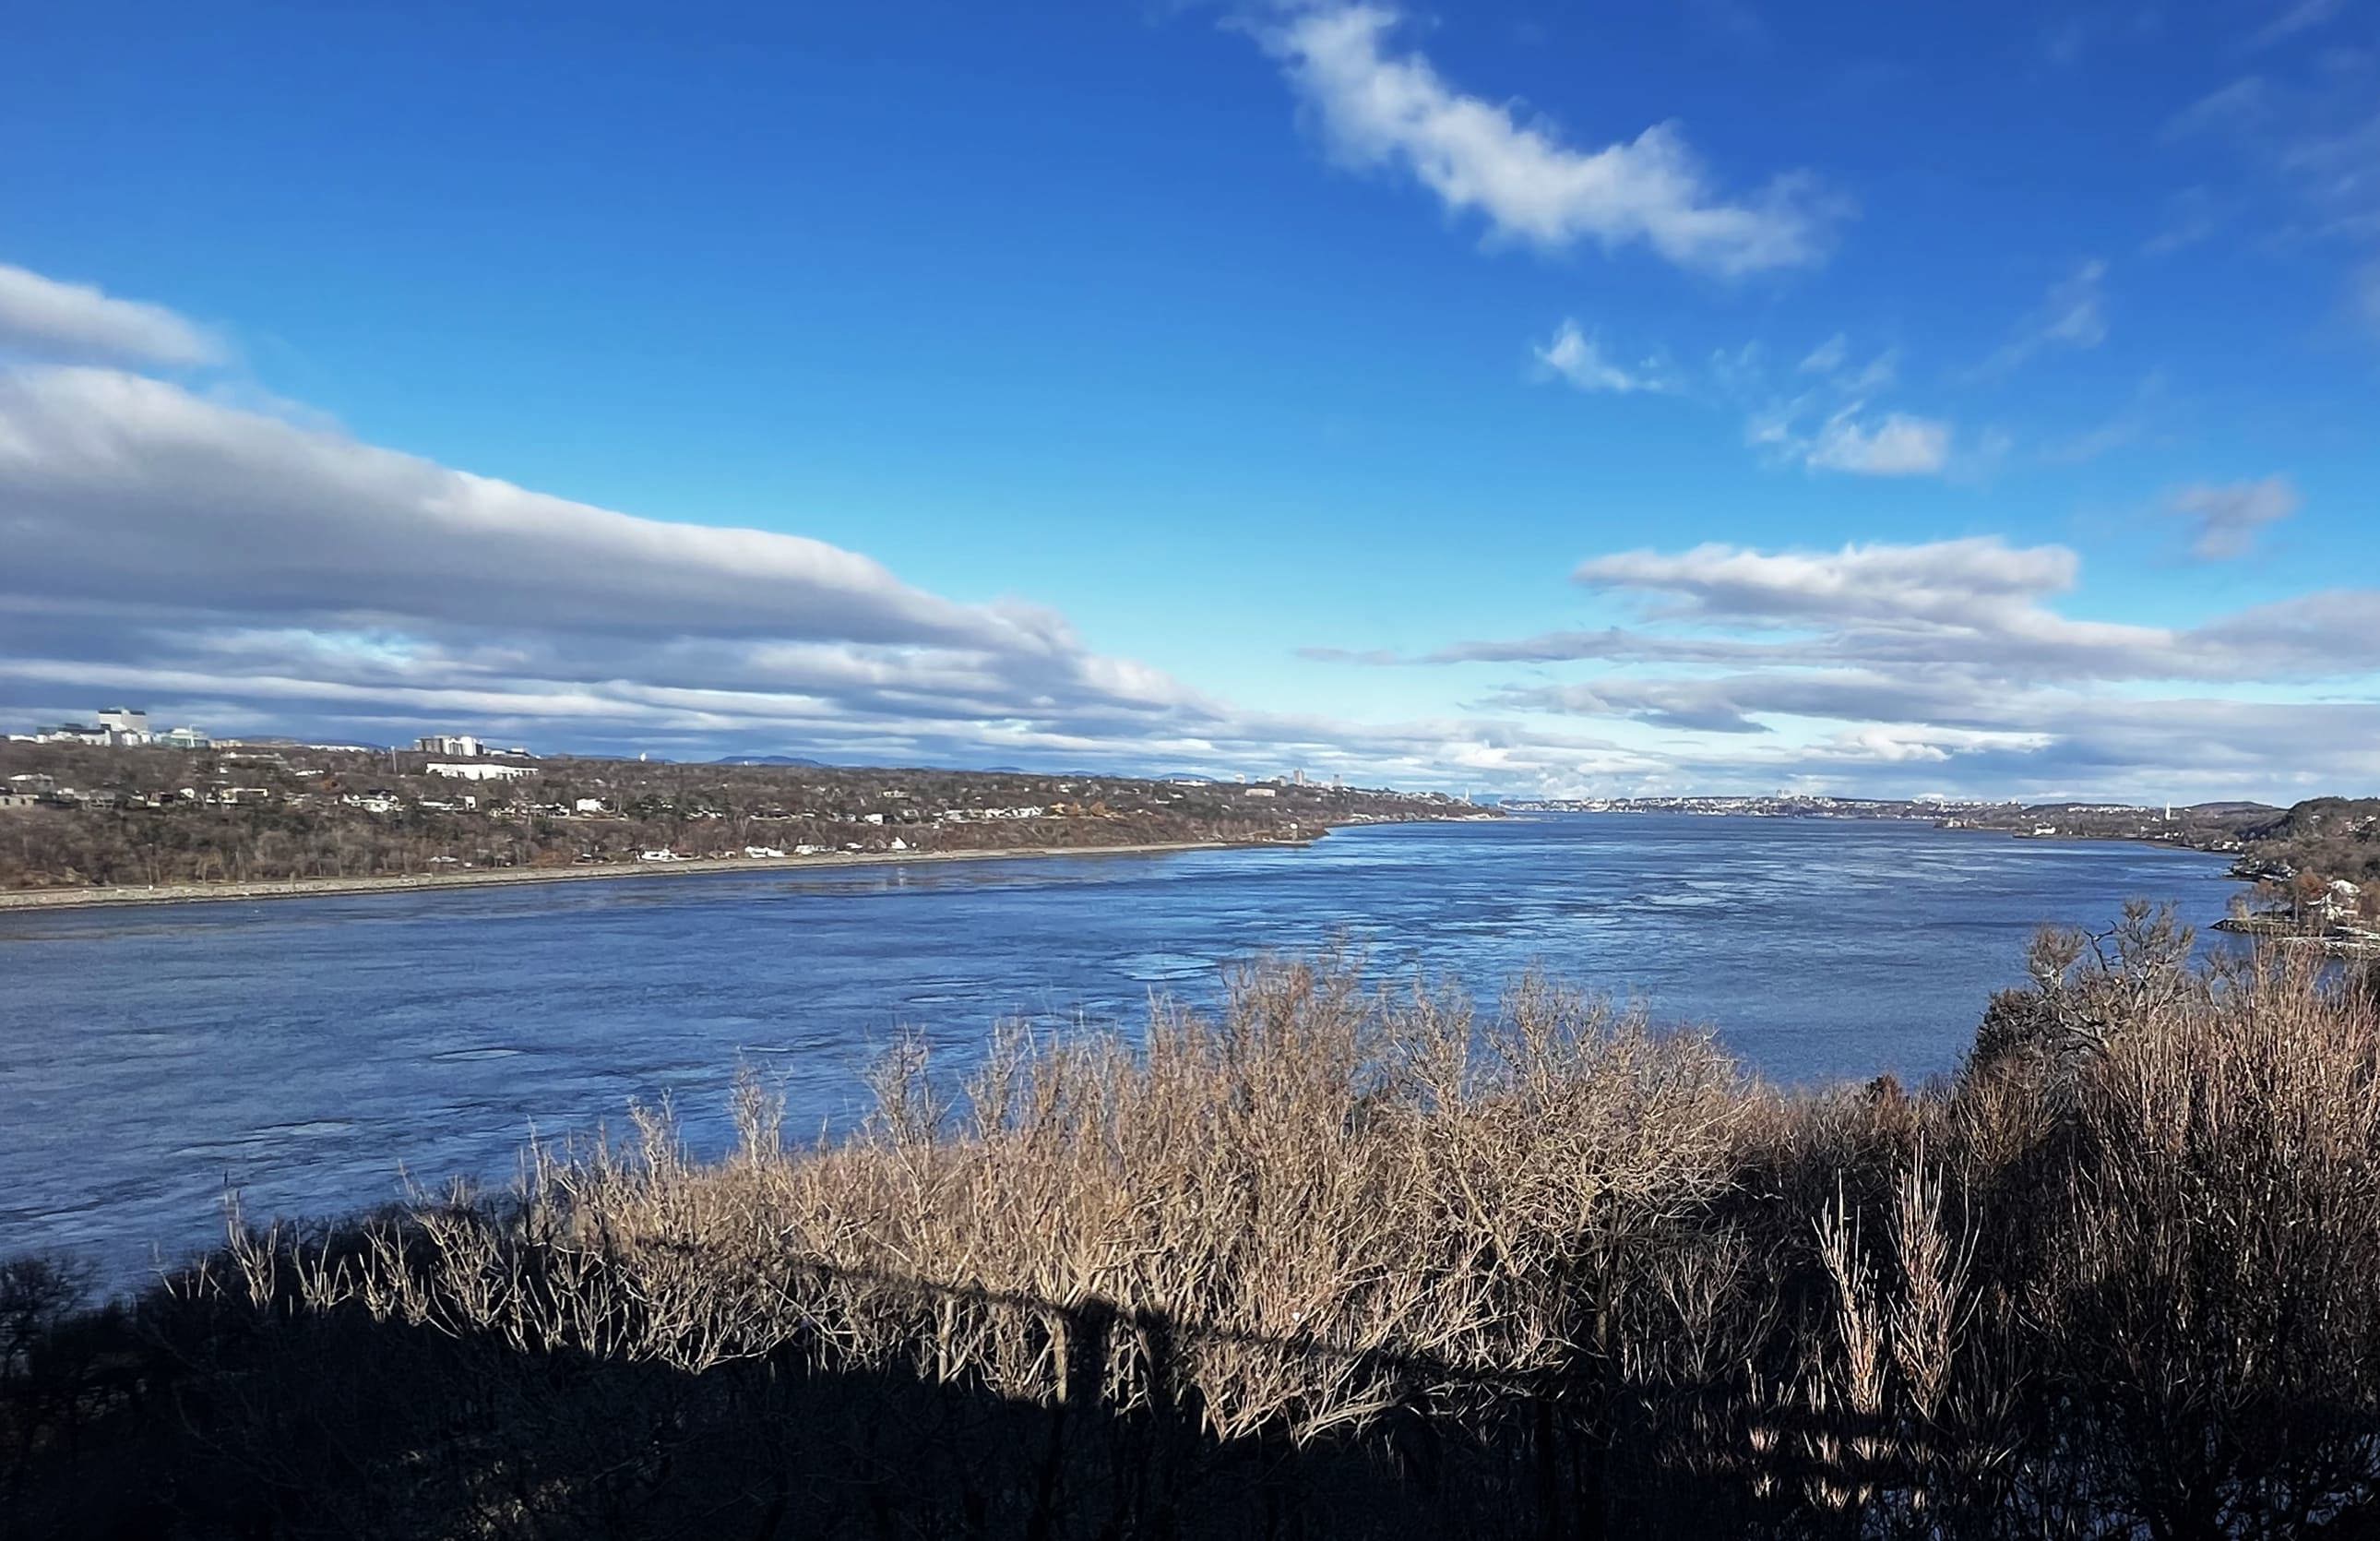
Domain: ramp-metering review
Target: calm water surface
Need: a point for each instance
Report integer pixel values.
(305, 1051)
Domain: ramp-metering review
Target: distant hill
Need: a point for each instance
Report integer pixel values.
(770, 760)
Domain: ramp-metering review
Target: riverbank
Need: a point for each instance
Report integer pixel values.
(320, 888)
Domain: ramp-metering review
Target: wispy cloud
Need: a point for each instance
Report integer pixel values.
(1379, 107)
(2304, 135)
(2192, 216)
(51, 318)
(1578, 357)
(2226, 107)
(2303, 17)
(2072, 315)
(2226, 520)
(1851, 437)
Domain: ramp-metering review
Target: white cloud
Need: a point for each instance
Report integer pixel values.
(44, 316)
(1381, 108)
(2225, 519)
(1897, 444)
(1578, 357)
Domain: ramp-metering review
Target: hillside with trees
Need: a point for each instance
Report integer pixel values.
(80, 816)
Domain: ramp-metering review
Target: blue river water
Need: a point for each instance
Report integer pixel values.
(311, 1053)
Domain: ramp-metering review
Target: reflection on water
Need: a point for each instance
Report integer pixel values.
(305, 1050)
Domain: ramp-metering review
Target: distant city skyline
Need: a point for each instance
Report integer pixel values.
(1705, 399)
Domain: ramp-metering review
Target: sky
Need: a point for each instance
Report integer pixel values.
(1577, 399)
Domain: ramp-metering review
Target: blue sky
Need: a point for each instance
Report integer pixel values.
(1565, 398)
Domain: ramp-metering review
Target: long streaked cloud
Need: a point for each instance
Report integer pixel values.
(1377, 106)
(119, 483)
(52, 318)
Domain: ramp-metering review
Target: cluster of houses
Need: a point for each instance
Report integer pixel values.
(24, 791)
(763, 854)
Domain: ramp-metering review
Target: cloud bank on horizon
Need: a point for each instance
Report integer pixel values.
(298, 580)
(1798, 542)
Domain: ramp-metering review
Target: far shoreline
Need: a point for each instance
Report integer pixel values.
(34, 900)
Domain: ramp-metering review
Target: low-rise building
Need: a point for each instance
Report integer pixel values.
(477, 770)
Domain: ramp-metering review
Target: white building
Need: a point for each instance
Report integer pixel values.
(588, 805)
(462, 746)
(476, 771)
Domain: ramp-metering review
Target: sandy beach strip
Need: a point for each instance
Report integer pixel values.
(315, 887)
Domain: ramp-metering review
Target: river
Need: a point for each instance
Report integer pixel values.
(307, 1052)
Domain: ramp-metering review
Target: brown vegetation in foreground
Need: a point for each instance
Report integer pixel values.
(1334, 1260)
